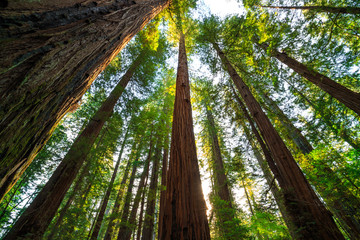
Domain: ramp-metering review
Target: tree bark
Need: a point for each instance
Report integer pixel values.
(105, 201)
(344, 95)
(164, 170)
(141, 216)
(39, 214)
(312, 219)
(76, 189)
(327, 9)
(126, 225)
(344, 204)
(225, 211)
(115, 210)
(48, 60)
(148, 227)
(184, 209)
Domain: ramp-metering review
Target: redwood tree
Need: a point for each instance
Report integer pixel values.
(34, 221)
(184, 209)
(313, 220)
(50, 54)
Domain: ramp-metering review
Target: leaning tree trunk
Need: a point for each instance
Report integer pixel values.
(49, 57)
(312, 219)
(148, 226)
(126, 227)
(326, 9)
(344, 95)
(344, 205)
(105, 201)
(39, 214)
(264, 167)
(185, 209)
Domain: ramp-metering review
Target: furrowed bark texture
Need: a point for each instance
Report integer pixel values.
(343, 204)
(127, 226)
(148, 227)
(34, 221)
(185, 208)
(348, 10)
(344, 95)
(105, 201)
(49, 58)
(312, 219)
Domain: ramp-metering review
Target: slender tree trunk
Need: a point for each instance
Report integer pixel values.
(312, 219)
(327, 9)
(185, 209)
(344, 95)
(224, 210)
(148, 227)
(126, 227)
(128, 197)
(48, 60)
(105, 201)
(141, 216)
(39, 214)
(115, 211)
(163, 182)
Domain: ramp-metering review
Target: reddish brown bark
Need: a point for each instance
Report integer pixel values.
(48, 60)
(105, 201)
(264, 167)
(348, 10)
(343, 204)
(39, 214)
(344, 95)
(185, 209)
(311, 218)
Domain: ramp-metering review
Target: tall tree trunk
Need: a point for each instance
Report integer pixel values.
(224, 209)
(39, 214)
(327, 9)
(344, 95)
(48, 60)
(128, 197)
(164, 170)
(118, 199)
(312, 219)
(141, 215)
(343, 204)
(105, 201)
(270, 179)
(76, 189)
(185, 209)
(148, 227)
(126, 226)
